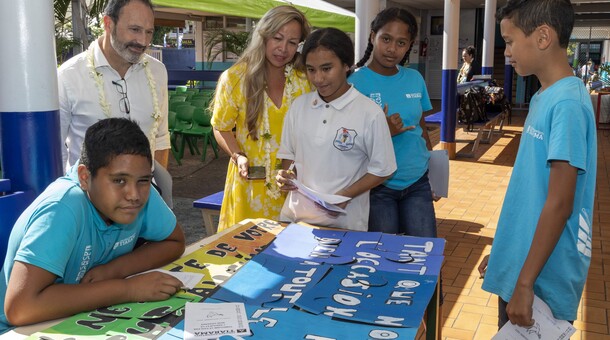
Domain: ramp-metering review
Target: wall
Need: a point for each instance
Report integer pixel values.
(179, 59)
(434, 59)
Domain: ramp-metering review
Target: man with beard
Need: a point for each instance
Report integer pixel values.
(115, 78)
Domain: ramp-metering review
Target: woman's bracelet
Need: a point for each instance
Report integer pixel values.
(236, 155)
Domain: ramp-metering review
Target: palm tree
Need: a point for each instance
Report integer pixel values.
(80, 10)
(229, 41)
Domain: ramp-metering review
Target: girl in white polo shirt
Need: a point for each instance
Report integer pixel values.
(337, 138)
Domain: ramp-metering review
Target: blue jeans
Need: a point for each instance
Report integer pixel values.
(409, 211)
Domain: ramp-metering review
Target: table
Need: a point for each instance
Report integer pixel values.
(246, 236)
(210, 207)
(600, 94)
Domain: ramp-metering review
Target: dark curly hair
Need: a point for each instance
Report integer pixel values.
(112, 137)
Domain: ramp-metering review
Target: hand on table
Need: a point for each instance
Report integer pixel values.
(152, 286)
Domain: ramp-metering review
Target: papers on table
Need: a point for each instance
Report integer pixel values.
(213, 320)
(326, 201)
(545, 326)
(438, 172)
(189, 280)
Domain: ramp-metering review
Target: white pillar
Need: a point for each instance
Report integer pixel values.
(29, 65)
(366, 10)
(489, 34)
(451, 32)
(30, 147)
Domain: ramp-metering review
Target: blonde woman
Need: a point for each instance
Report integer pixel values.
(253, 97)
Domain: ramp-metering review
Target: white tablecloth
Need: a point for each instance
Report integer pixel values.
(604, 108)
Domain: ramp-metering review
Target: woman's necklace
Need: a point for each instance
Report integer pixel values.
(99, 84)
(289, 89)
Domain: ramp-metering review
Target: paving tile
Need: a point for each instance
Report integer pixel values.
(467, 321)
(455, 333)
(485, 331)
(594, 315)
(468, 221)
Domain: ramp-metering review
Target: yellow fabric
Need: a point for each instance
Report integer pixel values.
(248, 198)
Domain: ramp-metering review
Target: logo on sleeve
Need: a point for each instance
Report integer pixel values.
(345, 138)
(376, 97)
(416, 95)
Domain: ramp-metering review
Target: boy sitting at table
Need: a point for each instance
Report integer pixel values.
(72, 249)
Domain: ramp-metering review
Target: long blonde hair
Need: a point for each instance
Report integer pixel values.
(254, 58)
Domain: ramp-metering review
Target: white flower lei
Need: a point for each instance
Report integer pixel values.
(99, 84)
(270, 183)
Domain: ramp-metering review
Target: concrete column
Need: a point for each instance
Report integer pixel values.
(198, 45)
(366, 10)
(451, 30)
(489, 34)
(29, 107)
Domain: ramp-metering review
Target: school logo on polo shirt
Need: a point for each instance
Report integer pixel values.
(345, 138)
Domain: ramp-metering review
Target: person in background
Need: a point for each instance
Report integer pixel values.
(403, 204)
(72, 250)
(542, 244)
(467, 71)
(587, 70)
(337, 138)
(115, 78)
(253, 97)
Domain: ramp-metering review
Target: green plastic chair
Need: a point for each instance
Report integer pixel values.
(201, 103)
(200, 96)
(177, 98)
(184, 122)
(202, 128)
(174, 105)
(171, 124)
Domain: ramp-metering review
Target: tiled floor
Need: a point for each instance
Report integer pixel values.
(468, 218)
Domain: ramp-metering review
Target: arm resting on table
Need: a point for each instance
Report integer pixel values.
(33, 296)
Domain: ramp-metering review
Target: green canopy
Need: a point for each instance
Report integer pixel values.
(319, 13)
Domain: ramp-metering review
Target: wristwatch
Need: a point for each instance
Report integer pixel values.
(236, 155)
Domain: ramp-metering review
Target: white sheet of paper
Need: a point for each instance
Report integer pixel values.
(545, 326)
(438, 172)
(328, 201)
(189, 280)
(212, 320)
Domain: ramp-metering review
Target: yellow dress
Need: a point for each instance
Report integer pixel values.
(252, 198)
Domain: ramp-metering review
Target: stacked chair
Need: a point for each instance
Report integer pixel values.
(189, 122)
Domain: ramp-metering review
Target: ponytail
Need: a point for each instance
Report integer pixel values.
(367, 55)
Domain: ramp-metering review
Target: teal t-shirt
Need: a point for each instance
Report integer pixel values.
(405, 93)
(62, 232)
(560, 126)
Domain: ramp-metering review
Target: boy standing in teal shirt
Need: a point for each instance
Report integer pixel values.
(543, 242)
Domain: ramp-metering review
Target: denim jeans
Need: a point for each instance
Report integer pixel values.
(409, 211)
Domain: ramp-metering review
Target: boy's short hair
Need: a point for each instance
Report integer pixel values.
(112, 137)
(528, 15)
